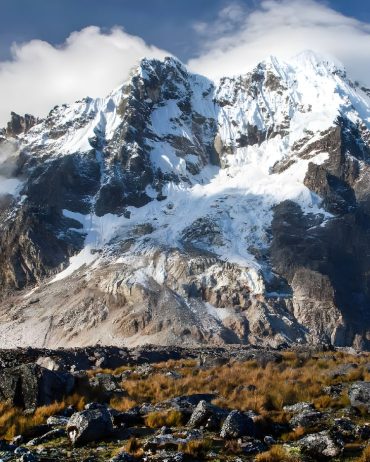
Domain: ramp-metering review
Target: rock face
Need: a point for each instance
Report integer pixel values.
(359, 394)
(29, 386)
(89, 425)
(178, 211)
(19, 124)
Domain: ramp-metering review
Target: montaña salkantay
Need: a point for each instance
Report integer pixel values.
(185, 269)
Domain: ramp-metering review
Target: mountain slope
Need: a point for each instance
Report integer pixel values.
(177, 210)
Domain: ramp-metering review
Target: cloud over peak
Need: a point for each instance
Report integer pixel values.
(282, 28)
(92, 62)
(89, 63)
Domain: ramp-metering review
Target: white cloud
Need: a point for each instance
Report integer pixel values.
(89, 63)
(92, 63)
(282, 28)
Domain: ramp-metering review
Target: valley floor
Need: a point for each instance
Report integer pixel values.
(204, 404)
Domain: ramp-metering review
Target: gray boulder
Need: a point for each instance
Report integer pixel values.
(29, 386)
(299, 407)
(237, 424)
(320, 446)
(105, 384)
(57, 420)
(344, 429)
(89, 425)
(307, 419)
(206, 413)
(359, 394)
(251, 446)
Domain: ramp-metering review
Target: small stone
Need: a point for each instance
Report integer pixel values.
(269, 440)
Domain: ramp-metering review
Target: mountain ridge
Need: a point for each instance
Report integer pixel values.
(177, 210)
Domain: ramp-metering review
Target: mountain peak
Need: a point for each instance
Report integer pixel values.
(317, 61)
(149, 67)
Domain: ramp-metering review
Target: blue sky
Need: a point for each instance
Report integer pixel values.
(58, 51)
(164, 23)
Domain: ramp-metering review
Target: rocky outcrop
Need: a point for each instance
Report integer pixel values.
(29, 386)
(19, 124)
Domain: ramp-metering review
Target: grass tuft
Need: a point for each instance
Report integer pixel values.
(165, 418)
(276, 454)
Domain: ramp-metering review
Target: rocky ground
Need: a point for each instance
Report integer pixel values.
(161, 404)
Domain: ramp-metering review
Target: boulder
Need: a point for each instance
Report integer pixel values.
(106, 385)
(237, 424)
(251, 446)
(89, 425)
(57, 420)
(206, 413)
(307, 419)
(29, 386)
(299, 407)
(187, 403)
(49, 363)
(320, 446)
(344, 429)
(359, 394)
(334, 391)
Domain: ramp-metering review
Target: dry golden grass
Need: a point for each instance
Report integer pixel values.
(276, 454)
(165, 418)
(238, 385)
(133, 446)
(196, 448)
(117, 371)
(14, 421)
(294, 435)
(296, 378)
(299, 377)
(122, 404)
(365, 456)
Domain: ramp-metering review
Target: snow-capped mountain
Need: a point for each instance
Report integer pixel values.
(178, 210)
